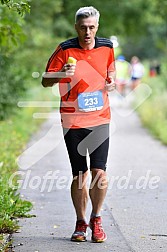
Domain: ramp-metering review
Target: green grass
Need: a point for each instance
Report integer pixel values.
(153, 112)
(15, 132)
(18, 128)
(5, 242)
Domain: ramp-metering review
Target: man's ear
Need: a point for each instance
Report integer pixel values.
(75, 26)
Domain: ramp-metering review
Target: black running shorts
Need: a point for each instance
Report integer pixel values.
(94, 141)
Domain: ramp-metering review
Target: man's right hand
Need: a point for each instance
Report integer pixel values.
(69, 69)
(51, 78)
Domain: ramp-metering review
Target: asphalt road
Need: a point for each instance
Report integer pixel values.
(135, 209)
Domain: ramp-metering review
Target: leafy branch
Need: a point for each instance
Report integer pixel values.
(21, 7)
(11, 26)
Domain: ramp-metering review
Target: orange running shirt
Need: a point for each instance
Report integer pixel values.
(91, 71)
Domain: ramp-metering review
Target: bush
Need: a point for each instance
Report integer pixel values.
(153, 111)
(11, 207)
(62, 28)
(12, 85)
(15, 132)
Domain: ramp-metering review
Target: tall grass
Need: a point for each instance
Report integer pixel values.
(153, 112)
(15, 132)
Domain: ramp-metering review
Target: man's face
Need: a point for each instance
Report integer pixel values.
(86, 29)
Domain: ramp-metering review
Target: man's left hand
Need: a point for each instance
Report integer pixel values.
(110, 84)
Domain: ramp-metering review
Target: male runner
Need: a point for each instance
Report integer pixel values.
(85, 114)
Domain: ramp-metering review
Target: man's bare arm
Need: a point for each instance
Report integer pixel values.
(51, 78)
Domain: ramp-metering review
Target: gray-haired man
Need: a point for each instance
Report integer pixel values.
(85, 114)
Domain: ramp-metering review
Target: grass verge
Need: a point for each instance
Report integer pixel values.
(15, 132)
(153, 112)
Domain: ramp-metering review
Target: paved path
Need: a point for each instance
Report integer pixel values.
(135, 209)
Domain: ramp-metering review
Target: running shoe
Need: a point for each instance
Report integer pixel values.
(98, 234)
(80, 233)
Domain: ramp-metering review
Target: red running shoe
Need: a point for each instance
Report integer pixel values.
(98, 234)
(80, 233)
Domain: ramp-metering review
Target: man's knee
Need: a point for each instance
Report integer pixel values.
(99, 177)
(81, 179)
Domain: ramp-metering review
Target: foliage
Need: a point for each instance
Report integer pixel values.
(156, 119)
(18, 59)
(14, 135)
(11, 35)
(12, 207)
(153, 111)
(20, 6)
(5, 242)
(11, 32)
(43, 14)
(137, 23)
(24, 50)
(12, 85)
(62, 28)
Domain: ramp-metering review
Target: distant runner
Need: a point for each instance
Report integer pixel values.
(123, 77)
(137, 72)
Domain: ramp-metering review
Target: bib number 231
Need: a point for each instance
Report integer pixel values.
(90, 101)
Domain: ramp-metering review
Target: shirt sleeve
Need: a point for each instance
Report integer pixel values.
(56, 61)
(111, 61)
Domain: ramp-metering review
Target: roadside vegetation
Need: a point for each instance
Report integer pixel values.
(153, 112)
(15, 132)
(23, 56)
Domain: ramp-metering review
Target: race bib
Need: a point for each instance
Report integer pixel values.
(90, 101)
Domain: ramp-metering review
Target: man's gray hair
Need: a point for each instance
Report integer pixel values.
(85, 12)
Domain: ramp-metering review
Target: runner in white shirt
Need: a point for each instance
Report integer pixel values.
(137, 72)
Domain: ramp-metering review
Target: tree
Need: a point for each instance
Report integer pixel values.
(139, 24)
(11, 24)
(11, 35)
(21, 7)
